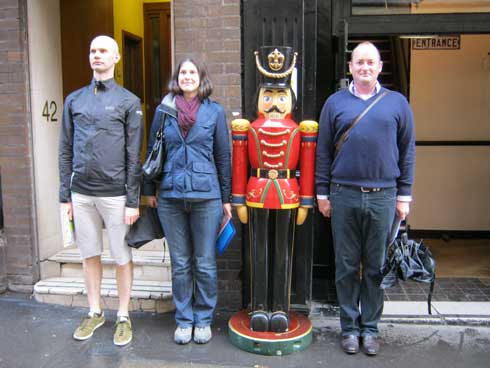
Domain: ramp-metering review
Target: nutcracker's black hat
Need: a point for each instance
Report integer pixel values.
(275, 65)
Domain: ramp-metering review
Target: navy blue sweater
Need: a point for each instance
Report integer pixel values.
(380, 150)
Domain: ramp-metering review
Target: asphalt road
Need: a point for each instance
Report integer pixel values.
(34, 335)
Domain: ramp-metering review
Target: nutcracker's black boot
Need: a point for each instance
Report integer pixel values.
(259, 321)
(279, 322)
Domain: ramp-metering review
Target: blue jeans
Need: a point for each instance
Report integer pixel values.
(360, 227)
(191, 229)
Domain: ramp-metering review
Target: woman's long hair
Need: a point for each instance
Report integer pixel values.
(205, 86)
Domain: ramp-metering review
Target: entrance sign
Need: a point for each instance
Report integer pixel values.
(437, 43)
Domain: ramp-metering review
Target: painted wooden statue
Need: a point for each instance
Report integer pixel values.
(272, 199)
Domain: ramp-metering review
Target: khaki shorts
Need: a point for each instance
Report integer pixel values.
(89, 215)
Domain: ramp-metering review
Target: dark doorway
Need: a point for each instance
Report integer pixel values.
(81, 21)
(133, 63)
(158, 53)
(294, 23)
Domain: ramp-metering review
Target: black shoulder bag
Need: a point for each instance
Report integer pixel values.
(152, 168)
(344, 136)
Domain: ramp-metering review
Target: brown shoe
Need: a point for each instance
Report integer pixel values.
(350, 344)
(370, 345)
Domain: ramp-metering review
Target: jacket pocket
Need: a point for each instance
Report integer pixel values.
(167, 181)
(202, 176)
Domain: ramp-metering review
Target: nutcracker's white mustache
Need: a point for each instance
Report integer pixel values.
(276, 109)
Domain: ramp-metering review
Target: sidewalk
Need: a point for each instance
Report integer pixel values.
(443, 313)
(35, 335)
(452, 313)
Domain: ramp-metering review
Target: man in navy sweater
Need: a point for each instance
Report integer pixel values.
(361, 188)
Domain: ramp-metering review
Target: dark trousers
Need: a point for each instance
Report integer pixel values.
(360, 226)
(271, 248)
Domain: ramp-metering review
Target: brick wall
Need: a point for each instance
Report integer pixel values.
(15, 147)
(209, 30)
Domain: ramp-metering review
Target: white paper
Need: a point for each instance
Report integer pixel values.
(67, 228)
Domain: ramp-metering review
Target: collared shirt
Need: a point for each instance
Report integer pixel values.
(352, 89)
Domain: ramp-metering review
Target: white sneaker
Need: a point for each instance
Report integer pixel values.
(183, 335)
(202, 335)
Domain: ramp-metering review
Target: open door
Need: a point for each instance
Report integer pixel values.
(81, 21)
(158, 64)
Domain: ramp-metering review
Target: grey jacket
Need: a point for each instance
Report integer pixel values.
(100, 142)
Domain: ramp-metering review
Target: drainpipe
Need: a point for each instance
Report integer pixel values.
(3, 249)
(3, 265)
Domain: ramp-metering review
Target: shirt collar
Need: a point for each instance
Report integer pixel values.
(352, 89)
(105, 84)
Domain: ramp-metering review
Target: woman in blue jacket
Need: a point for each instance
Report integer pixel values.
(194, 194)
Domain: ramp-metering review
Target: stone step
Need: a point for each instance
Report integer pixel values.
(151, 265)
(152, 296)
(140, 257)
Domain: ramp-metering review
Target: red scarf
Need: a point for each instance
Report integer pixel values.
(187, 112)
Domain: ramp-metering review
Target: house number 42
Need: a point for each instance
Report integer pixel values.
(49, 111)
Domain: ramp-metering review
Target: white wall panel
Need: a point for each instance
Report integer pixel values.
(452, 189)
(46, 87)
(450, 97)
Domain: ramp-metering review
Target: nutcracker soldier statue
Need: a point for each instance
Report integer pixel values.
(271, 199)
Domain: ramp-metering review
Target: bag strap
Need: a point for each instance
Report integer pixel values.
(344, 136)
(162, 123)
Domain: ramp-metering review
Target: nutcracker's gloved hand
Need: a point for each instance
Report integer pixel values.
(301, 216)
(242, 213)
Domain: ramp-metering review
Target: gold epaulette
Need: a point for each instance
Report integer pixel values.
(308, 126)
(240, 125)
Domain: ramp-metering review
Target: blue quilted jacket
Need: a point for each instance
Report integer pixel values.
(198, 166)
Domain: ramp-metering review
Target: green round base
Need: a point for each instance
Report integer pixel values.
(298, 337)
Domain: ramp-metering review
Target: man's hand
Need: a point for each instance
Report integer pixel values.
(301, 215)
(242, 213)
(131, 215)
(324, 207)
(402, 209)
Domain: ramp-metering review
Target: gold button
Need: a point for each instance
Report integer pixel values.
(273, 174)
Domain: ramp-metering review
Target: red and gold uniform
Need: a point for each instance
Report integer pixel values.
(271, 199)
(273, 148)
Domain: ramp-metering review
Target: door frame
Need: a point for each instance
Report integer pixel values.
(407, 23)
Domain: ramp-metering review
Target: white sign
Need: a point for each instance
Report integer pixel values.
(437, 43)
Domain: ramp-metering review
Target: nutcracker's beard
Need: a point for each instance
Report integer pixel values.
(274, 108)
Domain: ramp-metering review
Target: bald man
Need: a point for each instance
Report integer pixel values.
(361, 184)
(99, 170)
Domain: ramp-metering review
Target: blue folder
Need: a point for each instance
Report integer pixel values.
(226, 233)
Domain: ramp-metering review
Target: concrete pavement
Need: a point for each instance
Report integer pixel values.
(40, 335)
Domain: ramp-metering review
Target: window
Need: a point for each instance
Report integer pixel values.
(386, 7)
